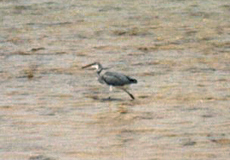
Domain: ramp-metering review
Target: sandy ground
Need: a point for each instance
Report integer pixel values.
(51, 109)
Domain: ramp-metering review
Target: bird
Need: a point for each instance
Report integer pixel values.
(112, 79)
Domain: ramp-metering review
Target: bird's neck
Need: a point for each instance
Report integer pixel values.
(99, 71)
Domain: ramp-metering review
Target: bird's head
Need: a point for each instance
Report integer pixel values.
(95, 65)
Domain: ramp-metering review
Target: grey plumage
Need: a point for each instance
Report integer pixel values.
(117, 79)
(112, 78)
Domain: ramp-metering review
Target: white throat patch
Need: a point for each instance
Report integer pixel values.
(95, 66)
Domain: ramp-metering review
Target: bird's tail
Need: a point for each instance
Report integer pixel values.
(133, 80)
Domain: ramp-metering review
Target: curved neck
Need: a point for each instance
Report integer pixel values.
(99, 71)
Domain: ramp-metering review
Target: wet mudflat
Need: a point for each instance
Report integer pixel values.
(51, 109)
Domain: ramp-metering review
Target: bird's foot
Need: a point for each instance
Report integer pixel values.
(107, 99)
(111, 99)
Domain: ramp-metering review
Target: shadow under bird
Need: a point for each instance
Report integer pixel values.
(112, 79)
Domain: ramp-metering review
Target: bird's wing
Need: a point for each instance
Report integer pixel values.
(115, 79)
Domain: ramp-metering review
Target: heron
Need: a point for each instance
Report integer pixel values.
(112, 79)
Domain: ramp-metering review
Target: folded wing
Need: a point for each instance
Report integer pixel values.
(117, 79)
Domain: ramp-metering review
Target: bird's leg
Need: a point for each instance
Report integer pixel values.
(128, 93)
(110, 90)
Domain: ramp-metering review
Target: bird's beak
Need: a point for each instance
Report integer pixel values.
(88, 65)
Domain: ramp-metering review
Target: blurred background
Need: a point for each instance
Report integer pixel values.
(51, 109)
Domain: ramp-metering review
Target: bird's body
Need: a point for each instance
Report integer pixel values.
(115, 79)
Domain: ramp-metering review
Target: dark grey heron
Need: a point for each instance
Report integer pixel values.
(112, 79)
